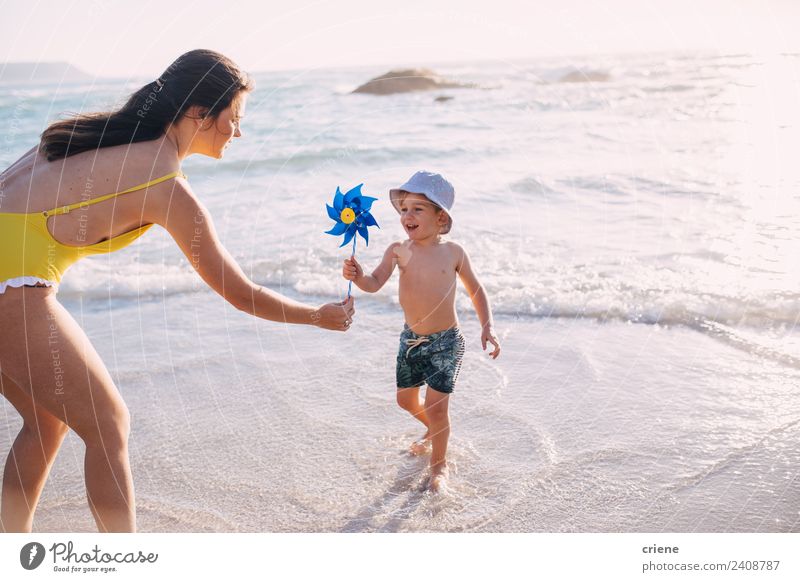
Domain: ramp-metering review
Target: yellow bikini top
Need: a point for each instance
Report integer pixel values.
(30, 250)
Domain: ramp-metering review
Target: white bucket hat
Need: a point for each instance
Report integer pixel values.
(434, 187)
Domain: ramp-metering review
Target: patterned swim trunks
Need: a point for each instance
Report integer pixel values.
(433, 359)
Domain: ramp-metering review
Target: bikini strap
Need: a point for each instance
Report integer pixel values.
(84, 203)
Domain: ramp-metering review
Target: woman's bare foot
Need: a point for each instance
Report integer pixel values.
(421, 447)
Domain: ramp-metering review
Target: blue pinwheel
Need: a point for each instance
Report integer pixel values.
(351, 211)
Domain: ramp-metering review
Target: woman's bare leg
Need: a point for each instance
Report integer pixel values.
(29, 461)
(47, 354)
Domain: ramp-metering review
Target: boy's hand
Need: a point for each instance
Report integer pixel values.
(488, 336)
(351, 270)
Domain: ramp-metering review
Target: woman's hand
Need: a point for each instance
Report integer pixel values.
(351, 270)
(335, 316)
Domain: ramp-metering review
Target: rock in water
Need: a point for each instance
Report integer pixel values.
(406, 81)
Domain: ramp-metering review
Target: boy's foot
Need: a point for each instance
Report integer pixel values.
(421, 447)
(438, 481)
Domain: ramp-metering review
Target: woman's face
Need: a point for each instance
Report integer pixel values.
(214, 135)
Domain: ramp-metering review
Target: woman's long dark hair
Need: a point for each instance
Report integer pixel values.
(199, 77)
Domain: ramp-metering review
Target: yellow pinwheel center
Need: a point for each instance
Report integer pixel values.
(347, 215)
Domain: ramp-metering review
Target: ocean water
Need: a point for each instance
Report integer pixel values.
(636, 231)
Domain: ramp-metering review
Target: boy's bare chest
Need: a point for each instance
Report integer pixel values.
(425, 267)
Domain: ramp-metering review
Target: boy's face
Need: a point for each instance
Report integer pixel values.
(420, 217)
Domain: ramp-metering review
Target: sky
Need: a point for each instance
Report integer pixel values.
(123, 38)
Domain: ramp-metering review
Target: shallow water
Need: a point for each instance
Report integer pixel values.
(580, 426)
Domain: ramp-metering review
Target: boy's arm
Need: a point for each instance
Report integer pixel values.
(479, 299)
(352, 271)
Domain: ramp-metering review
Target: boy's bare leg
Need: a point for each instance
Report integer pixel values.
(437, 409)
(409, 399)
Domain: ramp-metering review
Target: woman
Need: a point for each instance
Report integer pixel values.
(94, 184)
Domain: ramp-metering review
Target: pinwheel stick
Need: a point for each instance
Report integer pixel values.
(350, 285)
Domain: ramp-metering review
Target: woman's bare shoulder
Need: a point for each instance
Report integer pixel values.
(171, 201)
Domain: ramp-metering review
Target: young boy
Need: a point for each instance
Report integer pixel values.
(431, 344)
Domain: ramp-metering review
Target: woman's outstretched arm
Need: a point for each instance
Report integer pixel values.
(191, 225)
